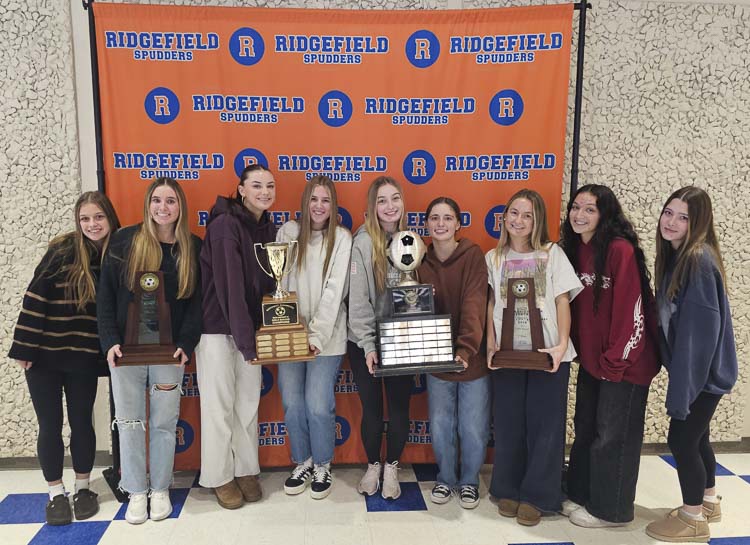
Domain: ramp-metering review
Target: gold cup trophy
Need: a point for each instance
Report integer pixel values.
(283, 336)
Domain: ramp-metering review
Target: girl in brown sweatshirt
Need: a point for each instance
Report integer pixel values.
(459, 403)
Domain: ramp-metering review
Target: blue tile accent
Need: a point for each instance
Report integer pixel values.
(23, 508)
(721, 471)
(425, 472)
(743, 540)
(176, 495)
(745, 478)
(78, 533)
(410, 500)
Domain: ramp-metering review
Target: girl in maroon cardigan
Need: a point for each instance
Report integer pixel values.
(459, 403)
(613, 327)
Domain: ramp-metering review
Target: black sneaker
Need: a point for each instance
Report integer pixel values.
(468, 497)
(321, 482)
(85, 504)
(298, 480)
(58, 512)
(441, 493)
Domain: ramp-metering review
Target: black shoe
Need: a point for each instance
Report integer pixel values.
(321, 482)
(298, 480)
(85, 504)
(58, 511)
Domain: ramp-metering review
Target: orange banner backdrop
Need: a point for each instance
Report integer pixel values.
(469, 104)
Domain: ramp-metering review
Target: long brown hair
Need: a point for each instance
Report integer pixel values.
(80, 284)
(305, 223)
(700, 237)
(539, 238)
(145, 251)
(376, 232)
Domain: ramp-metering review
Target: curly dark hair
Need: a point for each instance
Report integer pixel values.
(612, 224)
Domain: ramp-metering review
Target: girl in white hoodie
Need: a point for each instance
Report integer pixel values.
(320, 279)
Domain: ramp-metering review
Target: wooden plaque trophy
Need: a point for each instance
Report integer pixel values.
(148, 333)
(282, 337)
(506, 357)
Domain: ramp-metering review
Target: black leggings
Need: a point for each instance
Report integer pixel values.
(689, 442)
(46, 388)
(398, 394)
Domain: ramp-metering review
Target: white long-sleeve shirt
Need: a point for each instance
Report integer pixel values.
(321, 298)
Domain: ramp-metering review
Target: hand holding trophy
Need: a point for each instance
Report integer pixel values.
(283, 336)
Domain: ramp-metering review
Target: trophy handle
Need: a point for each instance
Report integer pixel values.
(257, 258)
(292, 256)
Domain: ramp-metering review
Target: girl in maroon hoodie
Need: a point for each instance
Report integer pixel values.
(613, 327)
(233, 287)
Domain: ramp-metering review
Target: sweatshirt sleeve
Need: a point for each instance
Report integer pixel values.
(361, 310)
(627, 335)
(30, 326)
(192, 322)
(473, 307)
(334, 290)
(106, 300)
(696, 338)
(230, 292)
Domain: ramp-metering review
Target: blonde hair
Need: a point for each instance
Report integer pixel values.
(145, 251)
(700, 237)
(80, 284)
(377, 233)
(539, 238)
(305, 222)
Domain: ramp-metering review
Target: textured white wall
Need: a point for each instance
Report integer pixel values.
(666, 103)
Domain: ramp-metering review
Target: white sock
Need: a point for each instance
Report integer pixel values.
(81, 484)
(692, 516)
(308, 462)
(711, 499)
(56, 490)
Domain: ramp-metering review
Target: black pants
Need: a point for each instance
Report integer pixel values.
(606, 453)
(690, 445)
(46, 388)
(529, 409)
(397, 392)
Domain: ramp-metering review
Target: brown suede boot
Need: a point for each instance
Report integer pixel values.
(229, 495)
(677, 528)
(712, 511)
(250, 487)
(507, 508)
(528, 515)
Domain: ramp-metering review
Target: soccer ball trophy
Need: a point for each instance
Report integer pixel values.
(412, 340)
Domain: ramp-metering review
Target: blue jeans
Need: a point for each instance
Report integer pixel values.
(460, 423)
(310, 407)
(129, 385)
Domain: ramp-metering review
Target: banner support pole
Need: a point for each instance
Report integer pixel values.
(87, 5)
(582, 6)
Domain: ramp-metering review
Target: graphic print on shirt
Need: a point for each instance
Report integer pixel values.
(588, 279)
(638, 326)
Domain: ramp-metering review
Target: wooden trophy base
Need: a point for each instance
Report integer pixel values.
(147, 354)
(521, 359)
(282, 344)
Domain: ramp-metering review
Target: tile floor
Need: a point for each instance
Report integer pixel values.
(347, 518)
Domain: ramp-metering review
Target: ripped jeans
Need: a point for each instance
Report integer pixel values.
(129, 386)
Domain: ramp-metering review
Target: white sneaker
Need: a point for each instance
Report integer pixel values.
(568, 506)
(581, 517)
(137, 512)
(391, 487)
(371, 481)
(161, 506)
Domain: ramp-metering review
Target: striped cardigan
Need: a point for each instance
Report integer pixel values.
(51, 331)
